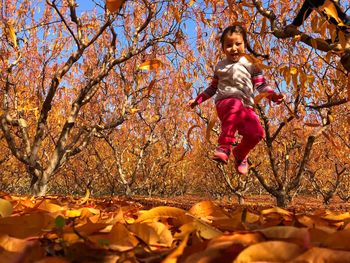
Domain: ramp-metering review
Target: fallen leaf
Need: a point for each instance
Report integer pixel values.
(337, 240)
(300, 236)
(6, 208)
(26, 225)
(119, 238)
(270, 251)
(317, 254)
(161, 211)
(152, 233)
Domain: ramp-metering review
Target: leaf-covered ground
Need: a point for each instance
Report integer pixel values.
(66, 229)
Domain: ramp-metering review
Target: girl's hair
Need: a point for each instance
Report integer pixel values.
(237, 28)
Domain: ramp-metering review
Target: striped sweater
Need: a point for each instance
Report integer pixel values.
(235, 79)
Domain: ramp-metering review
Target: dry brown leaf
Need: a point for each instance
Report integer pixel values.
(312, 221)
(119, 238)
(317, 236)
(300, 236)
(153, 233)
(162, 211)
(243, 238)
(317, 254)
(338, 240)
(206, 208)
(276, 210)
(205, 230)
(173, 256)
(270, 251)
(114, 5)
(26, 225)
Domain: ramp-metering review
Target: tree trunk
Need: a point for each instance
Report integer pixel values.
(282, 200)
(39, 188)
(241, 200)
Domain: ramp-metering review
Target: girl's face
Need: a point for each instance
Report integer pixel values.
(234, 46)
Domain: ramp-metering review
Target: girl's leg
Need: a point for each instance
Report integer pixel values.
(228, 112)
(252, 132)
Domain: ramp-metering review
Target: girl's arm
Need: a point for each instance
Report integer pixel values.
(262, 86)
(206, 94)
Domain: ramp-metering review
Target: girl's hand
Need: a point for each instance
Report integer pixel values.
(192, 103)
(276, 98)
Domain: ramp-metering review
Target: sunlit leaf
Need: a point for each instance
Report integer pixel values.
(153, 233)
(205, 230)
(337, 217)
(329, 8)
(133, 110)
(293, 70)
(206, 208)
(119, 238)
(161, 211)
(11, 33)
(151, 64)
(276, 210)
(73, 213)
(5, 208)
(48, 206)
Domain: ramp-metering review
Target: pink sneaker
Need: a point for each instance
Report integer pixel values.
(242, 167)
(221, 155)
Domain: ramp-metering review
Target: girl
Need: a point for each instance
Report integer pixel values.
(234, 82)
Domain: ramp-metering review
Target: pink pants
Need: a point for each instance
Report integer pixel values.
(235, 117)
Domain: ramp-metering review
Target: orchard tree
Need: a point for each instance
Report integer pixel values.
(60, 63)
